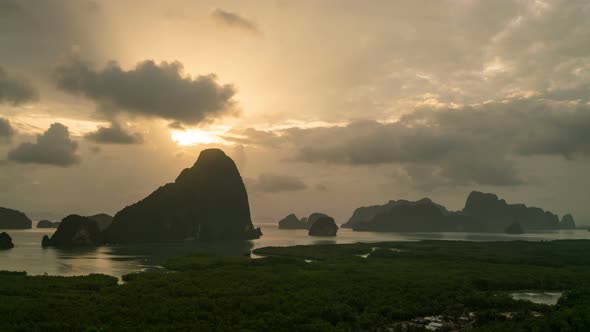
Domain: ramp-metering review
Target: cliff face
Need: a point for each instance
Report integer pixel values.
(5, 241)
(567, 222)
(13, 219)
(74, 231)
(292, 222)
(366, 214)
(47, 224)
(207, 202)
(496, 215)
(483, 212)
(103, 220)
(419, 216)
(323, 226)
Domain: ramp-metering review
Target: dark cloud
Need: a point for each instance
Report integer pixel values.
(114, 134)
(6, 130)
(15, 91)
(95, 149)
(273, 183)
(234, 20)
(54, 147)
(150, 89)
(321, 187)
(471, 145)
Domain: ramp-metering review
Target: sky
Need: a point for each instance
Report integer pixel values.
(324, 105)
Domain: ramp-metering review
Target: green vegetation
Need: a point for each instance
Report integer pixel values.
(337, 291)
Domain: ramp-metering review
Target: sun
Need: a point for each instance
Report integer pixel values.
(194, 137)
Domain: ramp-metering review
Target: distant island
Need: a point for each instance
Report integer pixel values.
(323, 226)
(47, 224)
(5, 241)
(13, 219)
(292, 222)
(483, 212)
(74, 231)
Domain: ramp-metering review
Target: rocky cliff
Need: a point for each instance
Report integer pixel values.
(13, 219)
(323, 226)
(419, 216)
(366, 214)
(74, 231)
(5, 241)
(496, 215)
(206, 202)
(567, 222)
(102, 219)
(47, 224)
(292, 222)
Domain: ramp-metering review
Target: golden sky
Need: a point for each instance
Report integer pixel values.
(324, 105)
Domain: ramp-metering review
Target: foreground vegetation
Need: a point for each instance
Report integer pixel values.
(317, 288)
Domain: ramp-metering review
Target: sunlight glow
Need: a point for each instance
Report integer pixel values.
(196, 136)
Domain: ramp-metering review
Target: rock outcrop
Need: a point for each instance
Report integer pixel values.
(366, 214)
(103, 220)
(514, 228)
(482, 213)
(74, 231)
(13, 219)
(47, 224)
(314, 217)
(496, 215)
(206, 202)
(5, 241)
(323, 226)
(420, 216)
(292, 222)
(567, 222)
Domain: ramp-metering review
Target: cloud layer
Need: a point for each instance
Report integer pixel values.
(6, 130)
(471, 145)
(234, 20)
(114, 134)
(274, 183)
(15, 91)
(53, 147)
(150, 89)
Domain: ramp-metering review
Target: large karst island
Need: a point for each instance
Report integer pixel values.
(13, 219)
(206, 202)
(483, 212)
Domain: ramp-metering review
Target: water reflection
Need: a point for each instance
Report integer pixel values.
(28, 255)
(538, 297)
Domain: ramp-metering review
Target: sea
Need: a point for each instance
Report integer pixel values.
(118, 260)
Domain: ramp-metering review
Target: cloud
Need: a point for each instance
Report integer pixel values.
(54, 147)
(321, 187)
(6, 130)
(273, 183)
(150, 89)
(114, 134)
(470, 145)
(234, 20)
(15, 91)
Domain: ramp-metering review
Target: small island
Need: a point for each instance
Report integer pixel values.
(323, 226)
(514, 228)
(74, 231)
(5, 241)
(292, 222)
(47, 224)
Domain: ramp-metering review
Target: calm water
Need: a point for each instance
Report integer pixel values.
(548, 298)
(28, 255)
